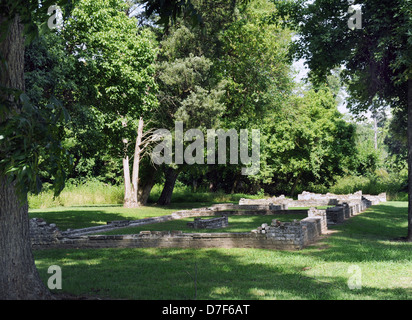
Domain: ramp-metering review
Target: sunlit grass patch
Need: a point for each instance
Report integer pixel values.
(319, 272)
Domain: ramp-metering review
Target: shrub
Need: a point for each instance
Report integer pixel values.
(381, 181)
(184, 194)
(91, 192)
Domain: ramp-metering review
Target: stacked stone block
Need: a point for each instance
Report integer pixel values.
(42, 233)
(309, 199)
(213, 223)
(296, 234)
(343, 211)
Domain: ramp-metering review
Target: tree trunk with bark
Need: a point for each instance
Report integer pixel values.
(132, 186)
(167, 192)
(19, 278)
(127, 183)
(295, 184)
(235, 184)
(375, 129)
(145, 186)
(136, 162)
(409, 236)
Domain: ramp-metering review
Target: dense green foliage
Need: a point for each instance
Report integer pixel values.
(100, 65)
(229, 70)
(310, 144)
(212, 64)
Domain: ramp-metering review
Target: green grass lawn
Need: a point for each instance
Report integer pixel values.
(236, 224)
(77, 217)
(88, 216)
(321, 271)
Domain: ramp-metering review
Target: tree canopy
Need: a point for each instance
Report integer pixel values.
(376, 59)
(85, 87)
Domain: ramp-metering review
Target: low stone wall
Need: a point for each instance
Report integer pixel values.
(309, 199)
(335, 215)
(264, 212)
(240, 206)
(289, 234)
(227, 209)
(321, 219)
(150, 239)
(288, 203)
(213, 223)
(278, 235)
(341, 212)
(296, 233)
(328, 196)
(43, 233)
(375, 199)
(282, 200)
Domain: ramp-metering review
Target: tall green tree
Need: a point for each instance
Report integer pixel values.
(190, 89)
(22, 137)
(115, 57)
(377, 57)
(308, 143)
(187, 93)
(258, 81)
(19, 278)
(51, 72)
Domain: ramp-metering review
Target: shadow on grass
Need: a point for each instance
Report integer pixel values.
(92, 215)
(319, 272)
(75, 219)
(236, 224)
(168, 274)
(369, 237)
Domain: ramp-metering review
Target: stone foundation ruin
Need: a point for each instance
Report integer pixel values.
(42, 233)
(213, 223)
(276, 235)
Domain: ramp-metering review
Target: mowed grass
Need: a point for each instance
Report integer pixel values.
(236, 224)
(360, 251)
(76, 217)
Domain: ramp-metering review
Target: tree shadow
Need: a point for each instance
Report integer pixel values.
(75, 219)
(368, 237)
(236, 224)
(243, 274)
(168, 274)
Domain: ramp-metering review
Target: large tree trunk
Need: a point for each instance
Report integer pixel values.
(145, 186)
(235, 184)
(19, 278)
(375, 129)
(136, 161)
(295, 184)
(127, 183)
(132, 187)
(409, 236)
(167, 192)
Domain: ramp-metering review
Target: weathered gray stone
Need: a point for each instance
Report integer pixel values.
(41, 232)
(213, 223)
(278, 235)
